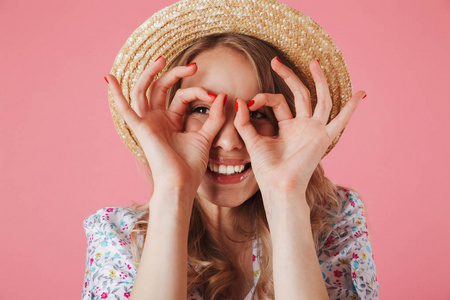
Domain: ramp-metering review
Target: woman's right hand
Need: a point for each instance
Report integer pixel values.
(177, 159)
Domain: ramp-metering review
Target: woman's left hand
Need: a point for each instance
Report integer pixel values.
(286, 162)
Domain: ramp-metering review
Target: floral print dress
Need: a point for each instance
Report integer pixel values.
(345, 257)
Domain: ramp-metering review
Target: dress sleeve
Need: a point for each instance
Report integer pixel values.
(110, 271)
(346, 258)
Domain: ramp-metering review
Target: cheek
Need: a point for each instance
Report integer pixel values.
(193, 124)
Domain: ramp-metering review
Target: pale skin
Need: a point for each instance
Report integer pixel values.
(281, 166)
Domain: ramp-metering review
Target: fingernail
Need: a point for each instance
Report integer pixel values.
(365, 96)
(278, 59)
(106, 80)
(212, 95)
(250, 103)
(158, 58)
(318, 61)
(225, 100)
(191, 64)
(236, 104)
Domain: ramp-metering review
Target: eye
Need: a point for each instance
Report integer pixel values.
(203, 110)
(257, 115)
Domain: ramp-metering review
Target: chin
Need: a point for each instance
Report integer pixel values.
(223, 201)
(228, 195)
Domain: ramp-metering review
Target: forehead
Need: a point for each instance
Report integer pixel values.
(224, 70)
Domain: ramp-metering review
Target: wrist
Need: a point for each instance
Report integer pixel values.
(282, 206)
(171, 204)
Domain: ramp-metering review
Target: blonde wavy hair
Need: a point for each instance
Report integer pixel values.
(210, 267)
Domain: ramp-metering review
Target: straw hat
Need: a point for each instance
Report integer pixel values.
(174, 28)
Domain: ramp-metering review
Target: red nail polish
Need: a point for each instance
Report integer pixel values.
(250, 103)
(106, 79)
(158, 58)
(365, 96)
(236, 104)
(191, 64)
(278, 59)
(212, 95)
(225, 100)
(318, 61)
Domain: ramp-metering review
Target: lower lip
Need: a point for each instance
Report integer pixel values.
(228, 179)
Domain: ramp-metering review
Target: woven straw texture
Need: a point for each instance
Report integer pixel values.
(174, 28)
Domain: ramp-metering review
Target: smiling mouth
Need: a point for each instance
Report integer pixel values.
(228, 169)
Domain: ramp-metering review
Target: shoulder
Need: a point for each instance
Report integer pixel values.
(110, 269)
(350, 199)
(345, 217)
(346, 258)
(351, 207)
(118, 219)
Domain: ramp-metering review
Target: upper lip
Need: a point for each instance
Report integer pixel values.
(228, 161)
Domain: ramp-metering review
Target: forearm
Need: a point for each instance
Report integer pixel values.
(162, 270)
(296, 270)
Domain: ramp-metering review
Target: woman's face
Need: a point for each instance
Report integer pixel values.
(229, 180)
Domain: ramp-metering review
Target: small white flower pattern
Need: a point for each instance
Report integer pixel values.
(346, 258)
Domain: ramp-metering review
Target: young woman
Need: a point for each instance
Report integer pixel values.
(241, 208)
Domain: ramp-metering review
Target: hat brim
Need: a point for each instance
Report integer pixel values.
(173, 29)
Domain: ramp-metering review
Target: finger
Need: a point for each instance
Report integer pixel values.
(324, 103)
(341, 120)
(161, 86)
(122, 106)
(215, 120)
(138, 93)
(184, 96)
(276, 101)
(243, 125)
(298, 89)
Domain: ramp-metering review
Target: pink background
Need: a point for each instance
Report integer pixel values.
(61, 158)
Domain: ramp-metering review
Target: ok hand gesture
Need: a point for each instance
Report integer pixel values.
(285, 163)
(177, 159)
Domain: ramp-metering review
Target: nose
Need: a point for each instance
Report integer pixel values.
(228, 139)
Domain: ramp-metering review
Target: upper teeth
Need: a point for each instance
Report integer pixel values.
(226, 169)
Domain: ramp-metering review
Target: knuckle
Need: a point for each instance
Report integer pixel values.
(156, 85)
(279, 101)
(134, 93)
(306, 93)
(298, 94)
(179, 93)
(280, 98)
(197, 90)
(161, 89)
(201, 90)
(123, 109)
(263, 96)
(291, 75)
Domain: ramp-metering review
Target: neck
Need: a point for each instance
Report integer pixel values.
(220, 225)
